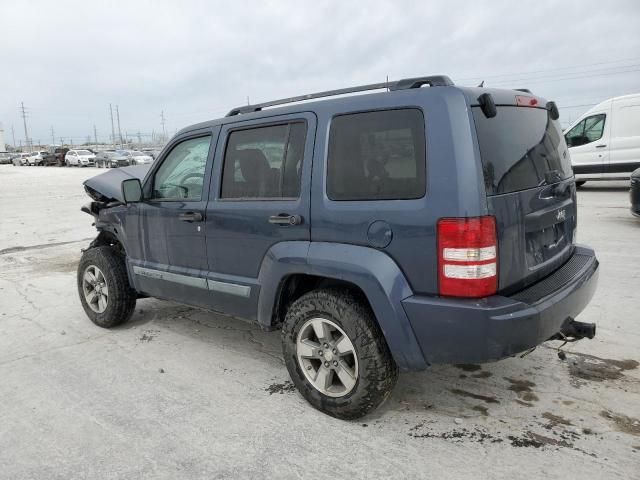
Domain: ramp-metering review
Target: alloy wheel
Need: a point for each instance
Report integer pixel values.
(327, 357)
(95, 289)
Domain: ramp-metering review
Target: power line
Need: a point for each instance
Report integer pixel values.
(555, 78)
(550, 70)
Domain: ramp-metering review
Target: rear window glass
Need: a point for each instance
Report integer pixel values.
(377, 156)
(521, 148)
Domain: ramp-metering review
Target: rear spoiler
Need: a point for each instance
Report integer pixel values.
(488, 105)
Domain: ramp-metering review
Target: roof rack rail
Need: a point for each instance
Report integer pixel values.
(525, 90)
(404, 84)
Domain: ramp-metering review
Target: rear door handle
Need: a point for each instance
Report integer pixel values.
(285, 219)
(601, 146)
(190, 217)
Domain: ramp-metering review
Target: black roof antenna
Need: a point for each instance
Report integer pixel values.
(481, 84)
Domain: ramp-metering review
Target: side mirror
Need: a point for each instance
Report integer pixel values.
(131, 190)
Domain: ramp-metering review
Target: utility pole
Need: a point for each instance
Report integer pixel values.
(163, 121)
(113, 132)
(119, 131)
(53, 136)
(95, 134)
(24, 120)
(139, 138)
(13, 135)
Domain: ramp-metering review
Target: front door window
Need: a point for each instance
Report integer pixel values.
(181, 175)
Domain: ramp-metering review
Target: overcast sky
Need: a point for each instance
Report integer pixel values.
(67, 60)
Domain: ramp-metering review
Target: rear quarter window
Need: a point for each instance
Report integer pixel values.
(377, 155)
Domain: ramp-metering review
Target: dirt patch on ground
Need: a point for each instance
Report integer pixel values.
(623, 423)
(523, 389)
(556, 419)
(484, 398)
(39, 247)
(482, 409)
(525, 441)
(149, 335)
(468, 367)
(457, 435)
(476, 434)
(483, 374)
(285, 387)
(595, 369)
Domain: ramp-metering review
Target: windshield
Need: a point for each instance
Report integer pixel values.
(521, 148)
(84, 152)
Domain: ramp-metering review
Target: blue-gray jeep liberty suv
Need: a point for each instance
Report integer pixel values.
(381, 232)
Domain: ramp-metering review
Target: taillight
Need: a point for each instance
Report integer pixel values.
(467, 257)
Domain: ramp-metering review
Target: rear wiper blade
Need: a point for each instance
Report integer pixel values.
(552, 176)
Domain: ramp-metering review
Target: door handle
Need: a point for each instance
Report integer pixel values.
(601, 146)
(285, 219)
(190, 217)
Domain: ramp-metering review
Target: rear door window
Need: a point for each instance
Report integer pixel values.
(521, 148)
(377, 156)
(264, 162)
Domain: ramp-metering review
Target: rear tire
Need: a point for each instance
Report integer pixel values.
(103, 286)
(369, 370)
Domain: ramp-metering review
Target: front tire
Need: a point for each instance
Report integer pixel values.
(336, 354)
(103, 286)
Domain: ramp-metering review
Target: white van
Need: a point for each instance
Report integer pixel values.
(604, 143)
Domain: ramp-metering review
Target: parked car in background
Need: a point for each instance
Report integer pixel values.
(19, 159)
(5, 158)
(35, 158)
(634, 192)
(409, 245)
(55, 156)
(604, 143)
(80, 158)
(111, 159)
(136, 158)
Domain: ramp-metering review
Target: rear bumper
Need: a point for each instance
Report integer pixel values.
(452, 330)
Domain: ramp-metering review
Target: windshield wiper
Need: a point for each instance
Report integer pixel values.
(551, 176)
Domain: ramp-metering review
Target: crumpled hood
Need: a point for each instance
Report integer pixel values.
(107, 187)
